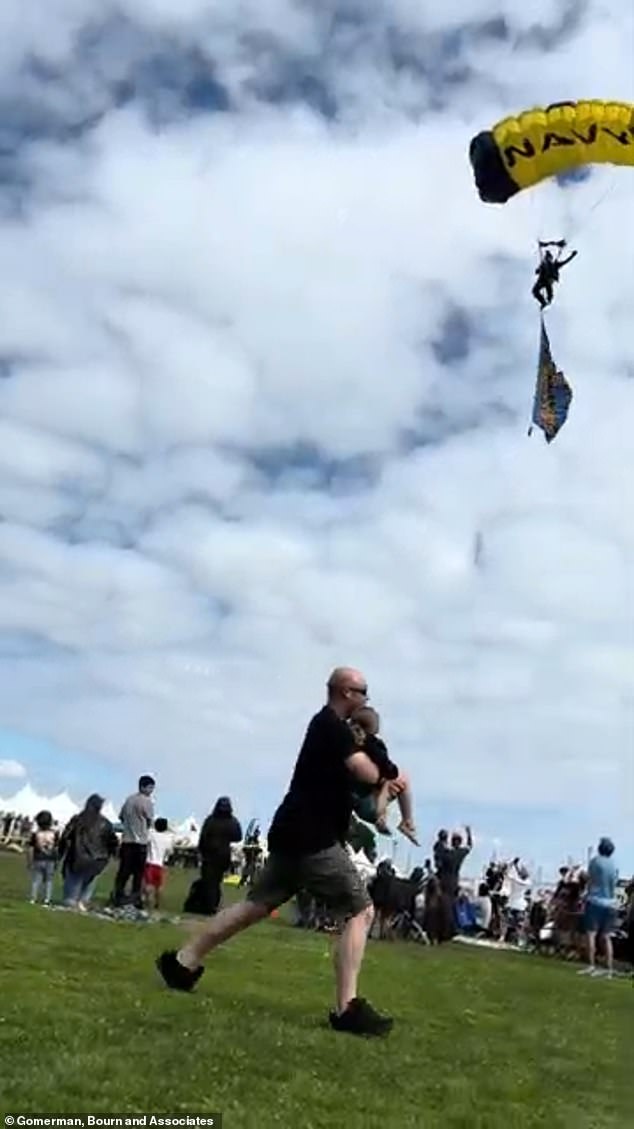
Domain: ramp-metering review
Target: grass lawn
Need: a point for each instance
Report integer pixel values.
(481, 1039)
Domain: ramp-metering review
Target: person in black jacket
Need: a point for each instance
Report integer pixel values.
(87, 843)
(218, 832)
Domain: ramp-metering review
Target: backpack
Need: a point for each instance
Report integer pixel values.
(45, 843)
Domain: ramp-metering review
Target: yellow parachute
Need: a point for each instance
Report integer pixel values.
(519, 152)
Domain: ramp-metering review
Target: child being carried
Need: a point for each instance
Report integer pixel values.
(370, 802)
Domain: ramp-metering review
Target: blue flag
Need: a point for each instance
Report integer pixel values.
(553, 394)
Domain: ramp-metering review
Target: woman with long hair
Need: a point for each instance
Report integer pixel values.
(87, 844)
(218, 832)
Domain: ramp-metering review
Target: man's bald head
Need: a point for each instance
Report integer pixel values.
(347, 690)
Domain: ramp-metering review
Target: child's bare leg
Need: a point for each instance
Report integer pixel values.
(382, 800)
(407, 826)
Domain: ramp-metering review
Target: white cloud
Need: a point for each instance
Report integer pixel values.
(183, 302)
(12, 770)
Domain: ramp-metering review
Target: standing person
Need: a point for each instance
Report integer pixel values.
(160, 844)
(218, 832)
(483, 908)
(440, 846)
(87, 844)
(601, 906)
(449, 863)
(629, 923)
(517, 883)
(307, 852)
(137, 817)
(42, 857)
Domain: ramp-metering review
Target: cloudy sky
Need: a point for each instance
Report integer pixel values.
(266, 367)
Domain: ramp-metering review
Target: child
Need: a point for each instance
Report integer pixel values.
(371, 804)
(160, 845)
(42, 857)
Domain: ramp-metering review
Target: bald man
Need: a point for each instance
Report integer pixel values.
(307, 852)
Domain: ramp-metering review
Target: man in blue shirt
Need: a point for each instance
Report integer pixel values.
(601, 905)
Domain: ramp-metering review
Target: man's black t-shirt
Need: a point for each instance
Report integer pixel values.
(316, 811)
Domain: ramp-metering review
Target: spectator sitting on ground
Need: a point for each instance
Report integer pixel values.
(465, 914)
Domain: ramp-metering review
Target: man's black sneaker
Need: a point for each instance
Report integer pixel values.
(175, 974)
(360, 1018)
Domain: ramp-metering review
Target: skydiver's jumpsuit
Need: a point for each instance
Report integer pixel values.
(547, 275)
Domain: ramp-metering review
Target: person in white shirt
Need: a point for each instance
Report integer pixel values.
(160, 845)
(518, 884)
(483, 907)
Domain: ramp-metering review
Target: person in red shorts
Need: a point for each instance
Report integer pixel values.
(159, 847)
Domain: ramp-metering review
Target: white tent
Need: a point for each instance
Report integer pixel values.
(109, 812)
(62, 807)
(24, 802)
(188, 832)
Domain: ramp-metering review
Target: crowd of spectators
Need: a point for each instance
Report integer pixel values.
(502, 908)
(433, 905)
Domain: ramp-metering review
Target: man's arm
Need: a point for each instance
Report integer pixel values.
(469, 837)
(148, 809)
(564, 262)
(362, 768)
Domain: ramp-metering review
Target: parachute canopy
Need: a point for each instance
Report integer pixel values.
(519, 152)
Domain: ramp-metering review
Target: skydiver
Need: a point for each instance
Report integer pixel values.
(548, 272)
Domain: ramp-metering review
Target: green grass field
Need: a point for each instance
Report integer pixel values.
(481, 1039)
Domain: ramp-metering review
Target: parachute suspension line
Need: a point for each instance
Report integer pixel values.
(582, 224)
(539, 210)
